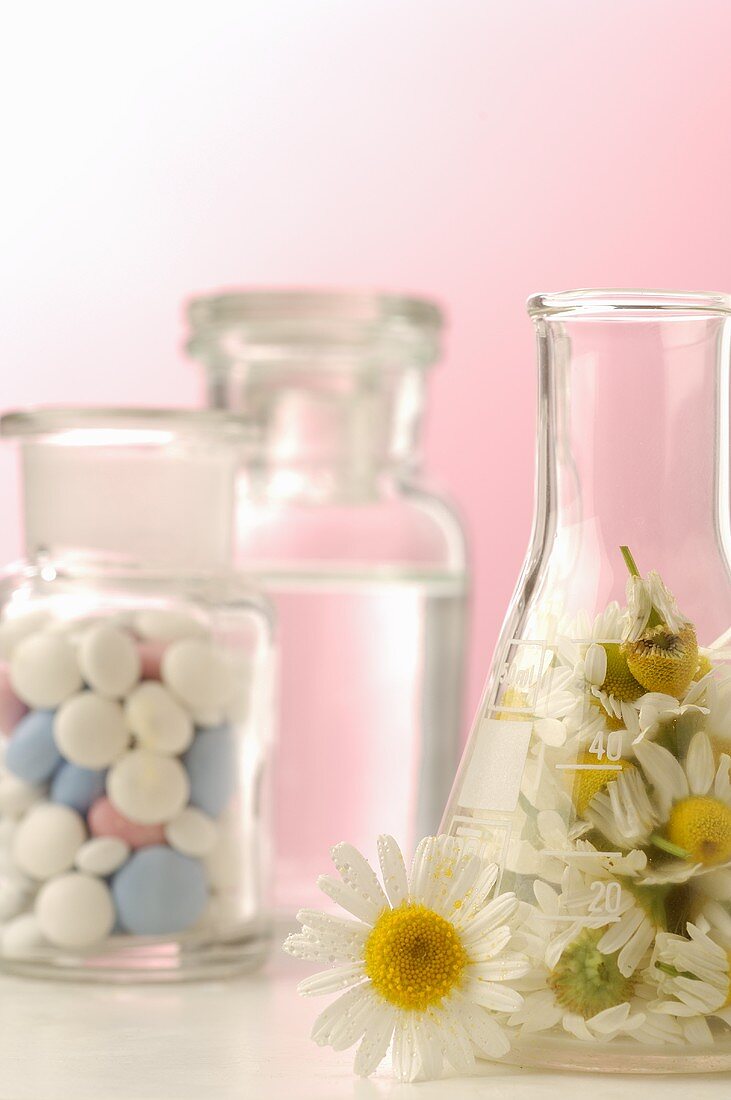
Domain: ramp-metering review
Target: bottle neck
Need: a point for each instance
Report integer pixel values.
(633, 448)
(325, 433)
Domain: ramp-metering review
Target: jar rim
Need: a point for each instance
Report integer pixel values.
(110, 425)
(602, 302)
(289, 304)
(295, 325)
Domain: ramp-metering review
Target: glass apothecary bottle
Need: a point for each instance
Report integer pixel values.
(597, 772)
(135, 696)
(364, 563)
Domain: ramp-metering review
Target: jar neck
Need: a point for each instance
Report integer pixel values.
(633, 446)
(326, 433)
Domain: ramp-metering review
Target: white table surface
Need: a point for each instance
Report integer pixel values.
(226, 1041)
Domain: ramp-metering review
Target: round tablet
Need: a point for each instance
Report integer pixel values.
(13, 631)
(199, 673)
(102, 855)
(75, 910)
(47, 840)
(44, 670)
(31, 753)
(11, 708)
(17, 796)
(109, 660)
(192, 832)
(22, 936)
(105, 820)
(16, 893)
(77, 787)
(148, 787)
(223, 864)
(212, 768)
(167, 626)
(90, 730)
(159, 891)
(157, 719)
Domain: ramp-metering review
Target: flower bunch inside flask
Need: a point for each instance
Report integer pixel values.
(134, 709)
(623, 855)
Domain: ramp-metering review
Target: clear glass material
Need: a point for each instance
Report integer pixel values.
(596, 773)
(365, 565)
(135, 699)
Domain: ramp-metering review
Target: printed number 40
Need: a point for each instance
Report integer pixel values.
(607, 744)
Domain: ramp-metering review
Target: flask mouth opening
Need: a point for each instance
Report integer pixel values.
(602, 303)
(338, 328)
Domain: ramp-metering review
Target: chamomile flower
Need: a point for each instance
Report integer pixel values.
(694, 974)
(580, 987)
(425, 964)
(682, 809)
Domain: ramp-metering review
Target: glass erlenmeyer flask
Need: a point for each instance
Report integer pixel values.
(597, 772)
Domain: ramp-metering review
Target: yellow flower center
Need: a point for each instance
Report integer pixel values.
(663, 661)
(414, 957)
(702, 827)
(589, 783)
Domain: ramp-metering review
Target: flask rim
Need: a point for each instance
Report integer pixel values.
(587, 303)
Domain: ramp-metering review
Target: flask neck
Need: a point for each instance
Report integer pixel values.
(633, 447)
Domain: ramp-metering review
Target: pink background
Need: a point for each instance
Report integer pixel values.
(474, 151)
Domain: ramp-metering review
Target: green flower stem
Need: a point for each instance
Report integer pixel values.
(669, 847)
(654, 619)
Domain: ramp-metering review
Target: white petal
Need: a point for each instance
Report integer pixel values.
(505, 968)
(374, 1044)
(393, 870)
(495, 914)
(609, 1019)
(406, 1064)
(357, 873)
(500, 998)
(337, 1011)
(420, 869)
(551, 731)
(595, 664)
(633, 952)
(697, 1032)
(456, 1042)
(722, 782)
(664, 772)
(620, 932)
(343, 895)
(352, 1025)
(699, 764)
(429, 1045)
(485, 1032)
(331, 981)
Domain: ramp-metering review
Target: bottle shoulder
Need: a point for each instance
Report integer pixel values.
(407, 526)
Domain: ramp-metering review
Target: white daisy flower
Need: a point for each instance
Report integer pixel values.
(577, 983)
(424, 963)
(694, 974)
(687, 814)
